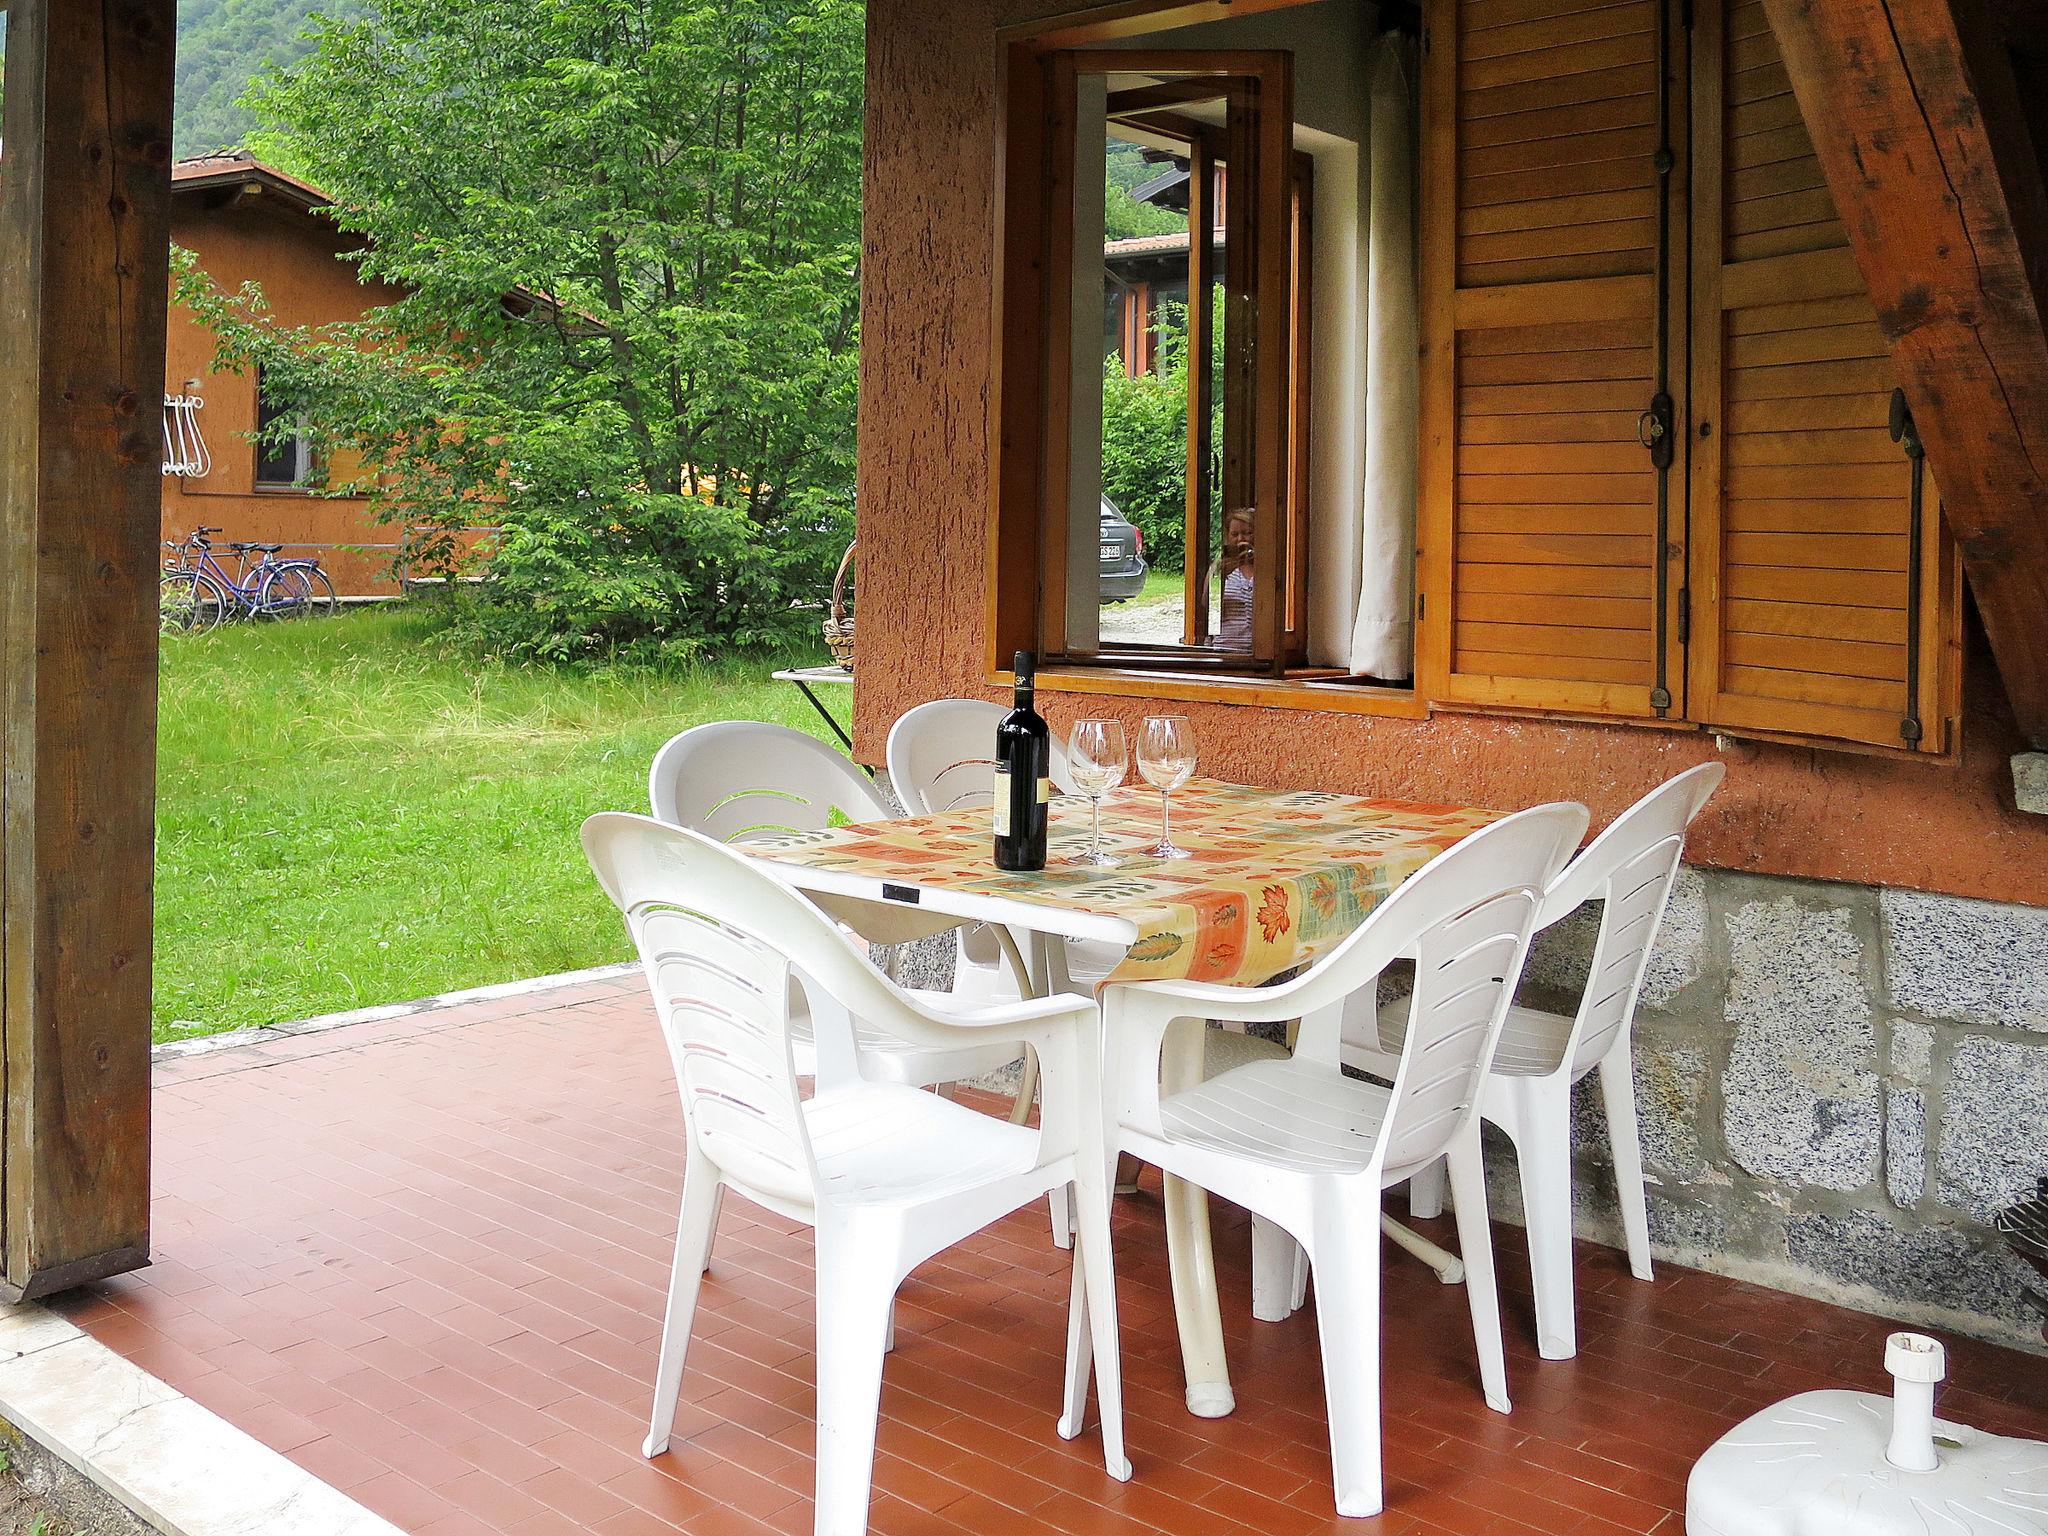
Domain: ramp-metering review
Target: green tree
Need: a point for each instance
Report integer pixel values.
(1145, 437)
(628, 236)
(1124, 167)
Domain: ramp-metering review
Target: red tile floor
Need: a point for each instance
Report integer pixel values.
(424, 1259)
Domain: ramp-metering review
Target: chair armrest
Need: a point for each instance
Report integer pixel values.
(1248, 1005)
(999, 1017)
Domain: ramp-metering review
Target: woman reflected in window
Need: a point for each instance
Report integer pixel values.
(1234, 568)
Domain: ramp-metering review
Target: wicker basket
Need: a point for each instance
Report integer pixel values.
(839, 627)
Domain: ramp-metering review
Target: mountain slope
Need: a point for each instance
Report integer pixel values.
(222, 46)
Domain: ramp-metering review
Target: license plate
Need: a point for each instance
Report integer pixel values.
(1111, 553)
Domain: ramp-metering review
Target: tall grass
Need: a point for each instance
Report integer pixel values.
(350, 812)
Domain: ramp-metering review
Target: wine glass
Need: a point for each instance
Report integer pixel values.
(1097, 760)
(1166, 758)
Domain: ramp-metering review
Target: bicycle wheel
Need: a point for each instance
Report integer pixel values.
(189, 602)
(321, 603)
(296, 592)
(285, 594)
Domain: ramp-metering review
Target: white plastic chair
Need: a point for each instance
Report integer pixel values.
(738, 780)
(1310, 1149)
(1629, 869)
(885, 1174)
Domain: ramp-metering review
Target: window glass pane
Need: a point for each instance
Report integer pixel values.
(1156, 567)
(277, 463)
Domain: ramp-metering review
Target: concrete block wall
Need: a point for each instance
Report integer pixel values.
(1838, 1087)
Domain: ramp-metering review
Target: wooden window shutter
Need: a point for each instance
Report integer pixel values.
(1542, 254)
(1808, 612)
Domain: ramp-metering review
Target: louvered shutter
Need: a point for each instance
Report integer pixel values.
(1800, 498)
(1540, 261)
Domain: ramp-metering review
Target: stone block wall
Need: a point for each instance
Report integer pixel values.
(1838, 1087)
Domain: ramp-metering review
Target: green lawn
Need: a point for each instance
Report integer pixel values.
(1160, 587)
(348, 814)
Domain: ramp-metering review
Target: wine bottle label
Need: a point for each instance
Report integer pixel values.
(1044, 790)
(1002, 802)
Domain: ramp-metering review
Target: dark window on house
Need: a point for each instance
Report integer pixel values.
(284, 451)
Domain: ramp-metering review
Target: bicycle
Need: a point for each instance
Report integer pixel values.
(196, 592)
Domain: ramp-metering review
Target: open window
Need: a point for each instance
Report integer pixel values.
(1173, 362)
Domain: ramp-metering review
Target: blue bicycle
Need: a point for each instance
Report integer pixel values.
(197, 592)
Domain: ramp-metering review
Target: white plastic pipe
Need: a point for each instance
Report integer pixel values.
(1916, 1363)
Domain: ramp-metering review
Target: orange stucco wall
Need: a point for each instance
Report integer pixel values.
(926, 358)
(298, 263)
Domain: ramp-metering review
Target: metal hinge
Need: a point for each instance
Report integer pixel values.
(1685, 615)
(1654, 428)
(1421, 604)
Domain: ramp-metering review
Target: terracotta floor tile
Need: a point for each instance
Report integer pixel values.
(447, 1304)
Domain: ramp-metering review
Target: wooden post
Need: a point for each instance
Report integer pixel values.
(84, 240)
(1919, 126)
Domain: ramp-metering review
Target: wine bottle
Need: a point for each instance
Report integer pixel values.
(1023, 777)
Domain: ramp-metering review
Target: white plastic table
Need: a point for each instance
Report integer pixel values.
(896, 881)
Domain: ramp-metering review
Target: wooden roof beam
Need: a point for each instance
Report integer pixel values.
(1914, 112)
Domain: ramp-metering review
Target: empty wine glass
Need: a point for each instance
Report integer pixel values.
(1166, 758)
(1097, 760)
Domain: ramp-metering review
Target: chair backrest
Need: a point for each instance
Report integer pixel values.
(719, 940)
(737, 780)
(942, 756)
(1466, 918)
(1629, 869)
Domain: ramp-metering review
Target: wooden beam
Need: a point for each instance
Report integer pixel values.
(84, 280)
(1914, 112)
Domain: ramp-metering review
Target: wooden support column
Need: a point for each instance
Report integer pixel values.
(1916, 118)
(84, 240)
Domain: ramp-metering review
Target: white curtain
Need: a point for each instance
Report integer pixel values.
(1383, 632)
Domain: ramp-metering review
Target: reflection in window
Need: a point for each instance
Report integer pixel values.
(283, 458)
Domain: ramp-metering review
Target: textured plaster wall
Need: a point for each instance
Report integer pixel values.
(927, 370)
(1838, 1088)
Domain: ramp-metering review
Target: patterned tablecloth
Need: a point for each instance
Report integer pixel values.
(1275, 877)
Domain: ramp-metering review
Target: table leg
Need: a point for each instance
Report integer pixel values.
(1448, 1266)
(1031, 977)
(1189, 1251)
(1195, 1308)
(826, 715)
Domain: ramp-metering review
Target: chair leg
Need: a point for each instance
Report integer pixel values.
(711, 1228)
(1092, 1331)
(1475, 1245)
(1618, 1091)
(1273, 1254)
(854, 1304)
(1345, 1253)
(1426, 1192)
(1543, 1148)
(1060, 1200)
(694, 1226)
